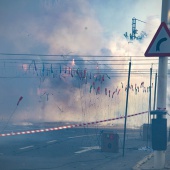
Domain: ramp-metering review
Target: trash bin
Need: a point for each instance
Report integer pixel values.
(146, 132)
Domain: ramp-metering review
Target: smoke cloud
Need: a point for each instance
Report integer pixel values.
(75, 28)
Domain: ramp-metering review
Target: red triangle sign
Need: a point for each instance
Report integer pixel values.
(160, 44)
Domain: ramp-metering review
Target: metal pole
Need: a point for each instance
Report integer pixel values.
(149, 109)
(159, 156)
(154, 101)
(150, 94)
(127, 96)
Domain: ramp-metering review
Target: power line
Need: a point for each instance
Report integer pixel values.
(62, 55)
(76, 60)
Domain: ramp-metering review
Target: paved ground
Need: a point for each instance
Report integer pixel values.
(69, 149)
(147, 163)
(76, 148)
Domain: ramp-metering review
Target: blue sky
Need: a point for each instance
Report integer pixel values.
(116, 15)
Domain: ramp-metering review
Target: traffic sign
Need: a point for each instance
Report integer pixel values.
(160, 44)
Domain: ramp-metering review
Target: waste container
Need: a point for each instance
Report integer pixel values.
(146, 132)
(159, 134)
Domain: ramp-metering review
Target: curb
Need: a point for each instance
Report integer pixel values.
(145, 159)
(141, 162)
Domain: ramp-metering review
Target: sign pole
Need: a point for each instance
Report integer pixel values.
(159, 156)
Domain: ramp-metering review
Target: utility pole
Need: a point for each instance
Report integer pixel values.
(159, 156)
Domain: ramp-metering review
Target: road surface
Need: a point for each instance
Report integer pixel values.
(67, 149)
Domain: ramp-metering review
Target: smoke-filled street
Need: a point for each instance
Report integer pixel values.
(76, 148)
(83, 83)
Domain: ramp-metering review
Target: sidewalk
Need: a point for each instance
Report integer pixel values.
(147, 163)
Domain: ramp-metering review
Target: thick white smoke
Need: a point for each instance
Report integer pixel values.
(71, 27)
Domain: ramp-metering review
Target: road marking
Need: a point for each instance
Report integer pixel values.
(88, 149)
(31, 146)
(72, 137)
(52, 141)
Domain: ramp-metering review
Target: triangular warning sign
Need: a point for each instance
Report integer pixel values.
(160, 44)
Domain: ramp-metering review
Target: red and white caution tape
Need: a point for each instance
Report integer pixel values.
(66, 127)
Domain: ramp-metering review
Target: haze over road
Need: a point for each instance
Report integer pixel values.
(76, 148)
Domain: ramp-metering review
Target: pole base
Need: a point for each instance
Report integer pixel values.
(159, 159)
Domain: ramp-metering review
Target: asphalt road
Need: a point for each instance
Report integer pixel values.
(67, 149)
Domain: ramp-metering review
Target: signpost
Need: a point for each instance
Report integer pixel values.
(160, 46)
